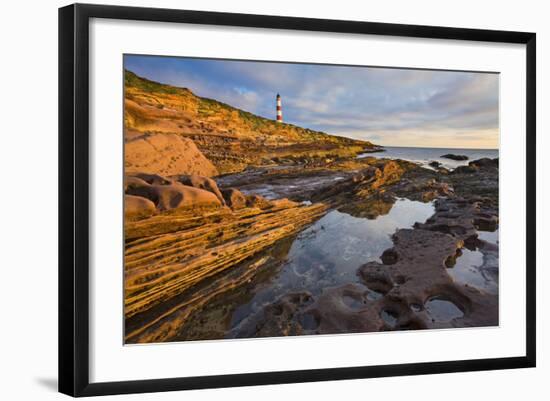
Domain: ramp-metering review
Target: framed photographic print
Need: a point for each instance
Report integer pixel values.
(249, 199)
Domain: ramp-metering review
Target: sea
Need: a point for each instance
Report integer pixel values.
(424, 156)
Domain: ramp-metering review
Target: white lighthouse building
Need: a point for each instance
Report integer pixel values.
(279, 109)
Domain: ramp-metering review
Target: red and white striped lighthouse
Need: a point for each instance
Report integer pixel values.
(279, 109)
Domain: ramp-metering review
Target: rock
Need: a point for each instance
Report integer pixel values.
(257, 201)
(138, 207)
(134, 182)
(476, 180)
(197, 181)
(174, 196)
(335, 315)
(371, 208)
(465, 170)
(455, 157)
(165, 154)
(414, 277)
(461, 218)
(280, 316)
(484, 162)
(234, 198)
(434, 164)
(374, 149)
(367, 174)
(485, 222)
(283, 203)
(229, 138)
(389, 256)
(195, 248)
(363, 184)
(423, 188)
(417, 274)
(152, 179)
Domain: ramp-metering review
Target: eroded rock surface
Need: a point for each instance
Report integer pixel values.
(455, 157)
(165, 154)
(418, 291)
(197, 181)
(138, 207)
(187, 271)
(168, 195)
(234, 198)
(190, 238)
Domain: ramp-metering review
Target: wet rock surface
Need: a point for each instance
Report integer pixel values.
(455, 157)
(418, 291)
(440, 272)
(411, 279)
(239, 226)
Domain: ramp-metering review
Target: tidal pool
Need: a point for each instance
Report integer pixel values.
(489, 236)
(479, 267)
(442, 310)
(328, 254)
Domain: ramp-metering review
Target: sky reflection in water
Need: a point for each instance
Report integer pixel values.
(328, 253)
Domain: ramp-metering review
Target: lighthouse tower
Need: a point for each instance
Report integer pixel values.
(279, 109)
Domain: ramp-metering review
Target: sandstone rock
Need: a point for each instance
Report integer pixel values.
(367, 174)
(138, 207)
(165, 154)
(152, 179)
(132, 181)
(229, 138)
(175, 196)
(257, 201)
(283, 203)
(196, 247)
(363, 184)
(234, 198)
(197, 181)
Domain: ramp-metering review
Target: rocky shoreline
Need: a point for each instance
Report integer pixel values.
(198, 247)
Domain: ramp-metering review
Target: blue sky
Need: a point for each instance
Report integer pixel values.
(392, 107)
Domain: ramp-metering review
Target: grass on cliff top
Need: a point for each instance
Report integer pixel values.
(212, 108)
(134, 81)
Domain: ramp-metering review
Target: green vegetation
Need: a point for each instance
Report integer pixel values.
(229, 137)
(208, 107)
(257, 123)
(132, 80)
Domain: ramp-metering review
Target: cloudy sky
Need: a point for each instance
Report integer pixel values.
(392, 107)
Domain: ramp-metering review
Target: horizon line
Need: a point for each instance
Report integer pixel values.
(433, 147)
(304, 126)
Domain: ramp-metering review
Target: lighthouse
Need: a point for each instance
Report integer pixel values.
(279, 109)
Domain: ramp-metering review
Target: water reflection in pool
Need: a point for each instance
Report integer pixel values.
(489, 236)
(442, 310)
(478, 267)
(328, 253)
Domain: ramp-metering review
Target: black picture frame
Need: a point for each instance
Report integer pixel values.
(74, 198)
